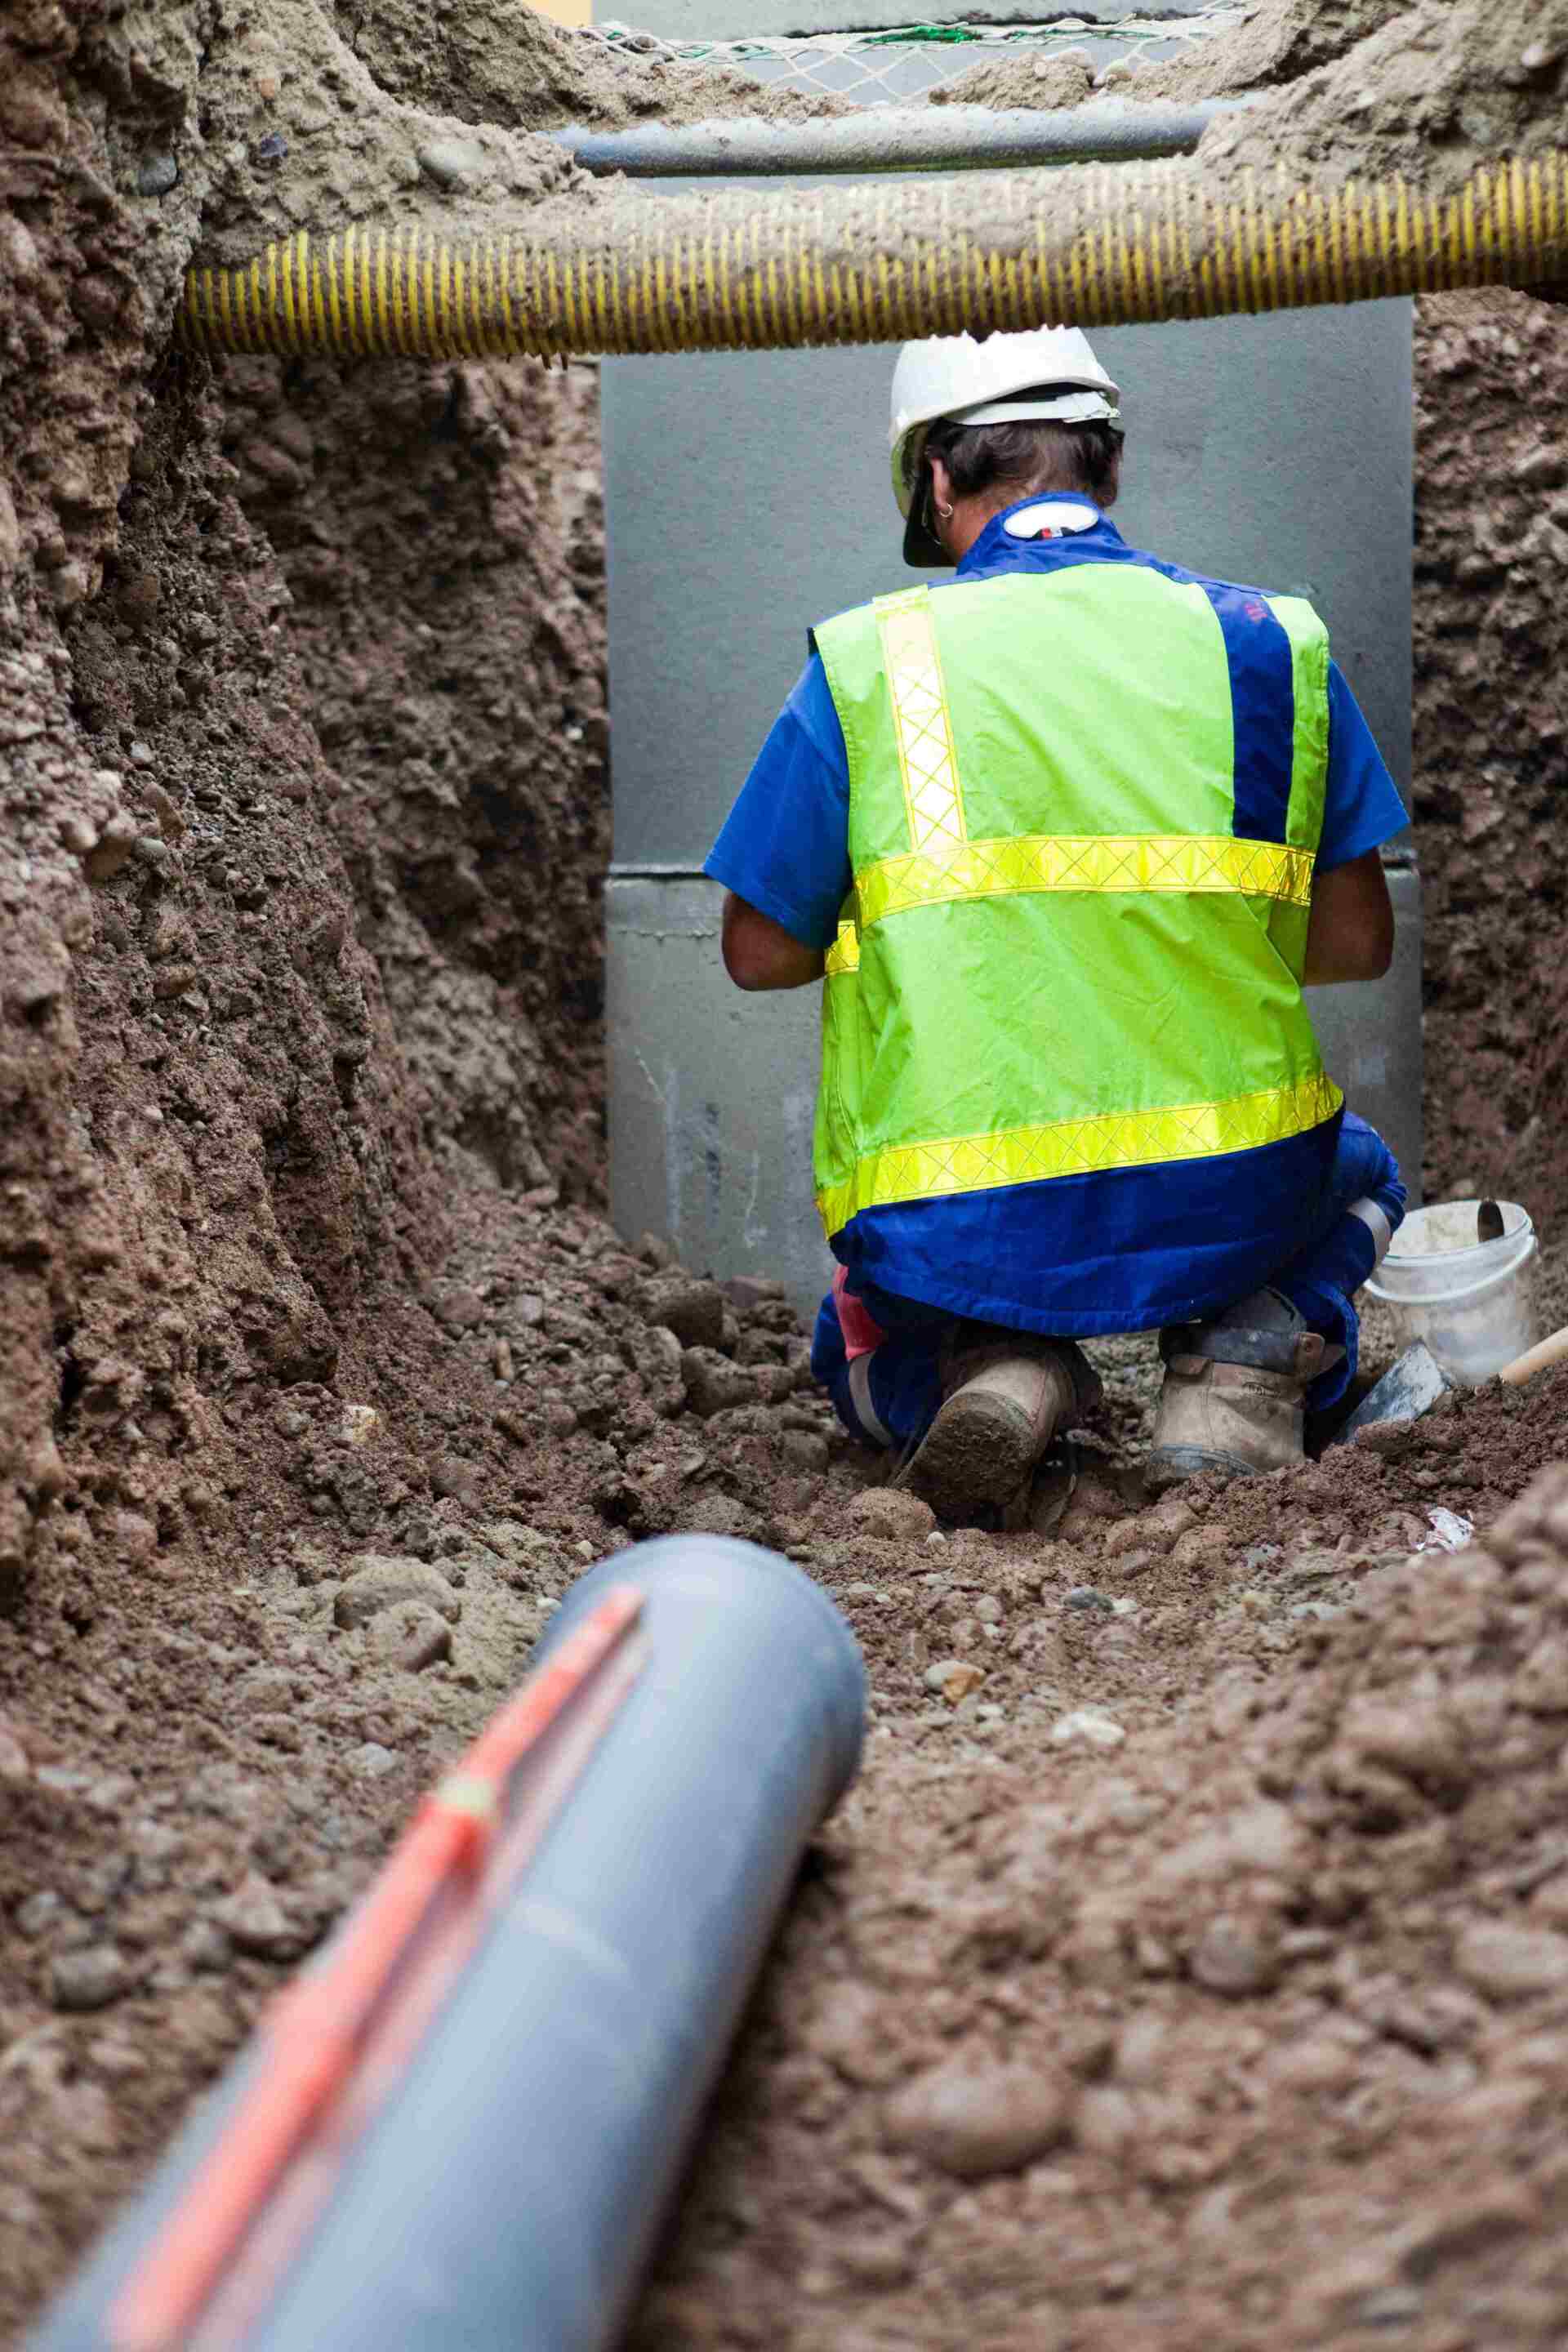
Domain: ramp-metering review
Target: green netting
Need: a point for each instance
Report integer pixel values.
(794, 47)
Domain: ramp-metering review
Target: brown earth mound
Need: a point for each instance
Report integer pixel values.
(500, 62)
(1276, 42)
(1014, 81)
(1431, 92)
(1355, 87)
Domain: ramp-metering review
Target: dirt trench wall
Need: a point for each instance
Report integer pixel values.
(441, 534)
(1492, 742)
(301, 779)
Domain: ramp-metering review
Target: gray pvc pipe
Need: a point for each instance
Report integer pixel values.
(509, 2193)
(895, 139)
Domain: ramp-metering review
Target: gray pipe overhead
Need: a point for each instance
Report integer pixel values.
(895, 139)
(503, 2191)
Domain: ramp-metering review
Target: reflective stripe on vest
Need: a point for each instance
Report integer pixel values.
(977, 869)
(1098, 999)
(1085, 1147)
(927, 762)
(844, 955)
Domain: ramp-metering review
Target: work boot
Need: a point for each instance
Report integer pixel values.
(1006, 1398)
(1235, 1392)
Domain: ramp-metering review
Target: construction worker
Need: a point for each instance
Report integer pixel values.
(1064, 837)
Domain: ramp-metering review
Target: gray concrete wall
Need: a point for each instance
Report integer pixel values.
(713, 1095)
(1371, 1037)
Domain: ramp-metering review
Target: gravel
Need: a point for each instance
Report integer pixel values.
(88, 1978)
(1506, 1962)
(970, 2116)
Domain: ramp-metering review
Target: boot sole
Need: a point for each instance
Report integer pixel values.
(1167, 1466)
(979, 1449)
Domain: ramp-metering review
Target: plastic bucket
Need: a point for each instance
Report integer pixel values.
(1473, 1302)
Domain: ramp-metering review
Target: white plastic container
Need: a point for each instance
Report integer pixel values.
(1473, 1302)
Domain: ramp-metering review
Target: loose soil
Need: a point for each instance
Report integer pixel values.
(1431, 92)
(1272, 46)
(1356, 88)
(1190, 1962)
(499, 62)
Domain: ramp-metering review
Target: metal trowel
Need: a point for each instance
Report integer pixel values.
(1411, 1386)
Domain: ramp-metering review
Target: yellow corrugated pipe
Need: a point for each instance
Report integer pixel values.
(878, 263)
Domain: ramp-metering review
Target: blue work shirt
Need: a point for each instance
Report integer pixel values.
(1120, 1250)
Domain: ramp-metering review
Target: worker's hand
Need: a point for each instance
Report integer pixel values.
(1350, 932)
(759, 953)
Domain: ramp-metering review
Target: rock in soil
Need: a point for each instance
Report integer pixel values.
(694, 1311)
(891, 1513)
(90, 1978)
(411, 1634)
(254, 1921)
(971, 2117)
(379, 1582)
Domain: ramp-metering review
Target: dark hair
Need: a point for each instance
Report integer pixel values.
(1038, 455)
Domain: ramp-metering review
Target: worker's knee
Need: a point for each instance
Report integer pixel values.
(1366, 1171)
(886, 1395)
(847, 1379)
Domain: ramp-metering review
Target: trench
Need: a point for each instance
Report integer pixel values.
(1249, 1972)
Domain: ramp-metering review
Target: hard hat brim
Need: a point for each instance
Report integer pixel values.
(1079, 405)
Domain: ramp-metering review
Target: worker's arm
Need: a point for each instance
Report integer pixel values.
(783, 854)
(759, 953)
(1349, 931)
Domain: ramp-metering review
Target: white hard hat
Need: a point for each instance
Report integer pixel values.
(1050, 373)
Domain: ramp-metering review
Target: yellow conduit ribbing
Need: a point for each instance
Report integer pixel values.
(1095, 246)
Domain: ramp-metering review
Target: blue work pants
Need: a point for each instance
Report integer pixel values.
(889, 1396)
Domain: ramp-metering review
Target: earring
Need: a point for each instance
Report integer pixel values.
(946, 513)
